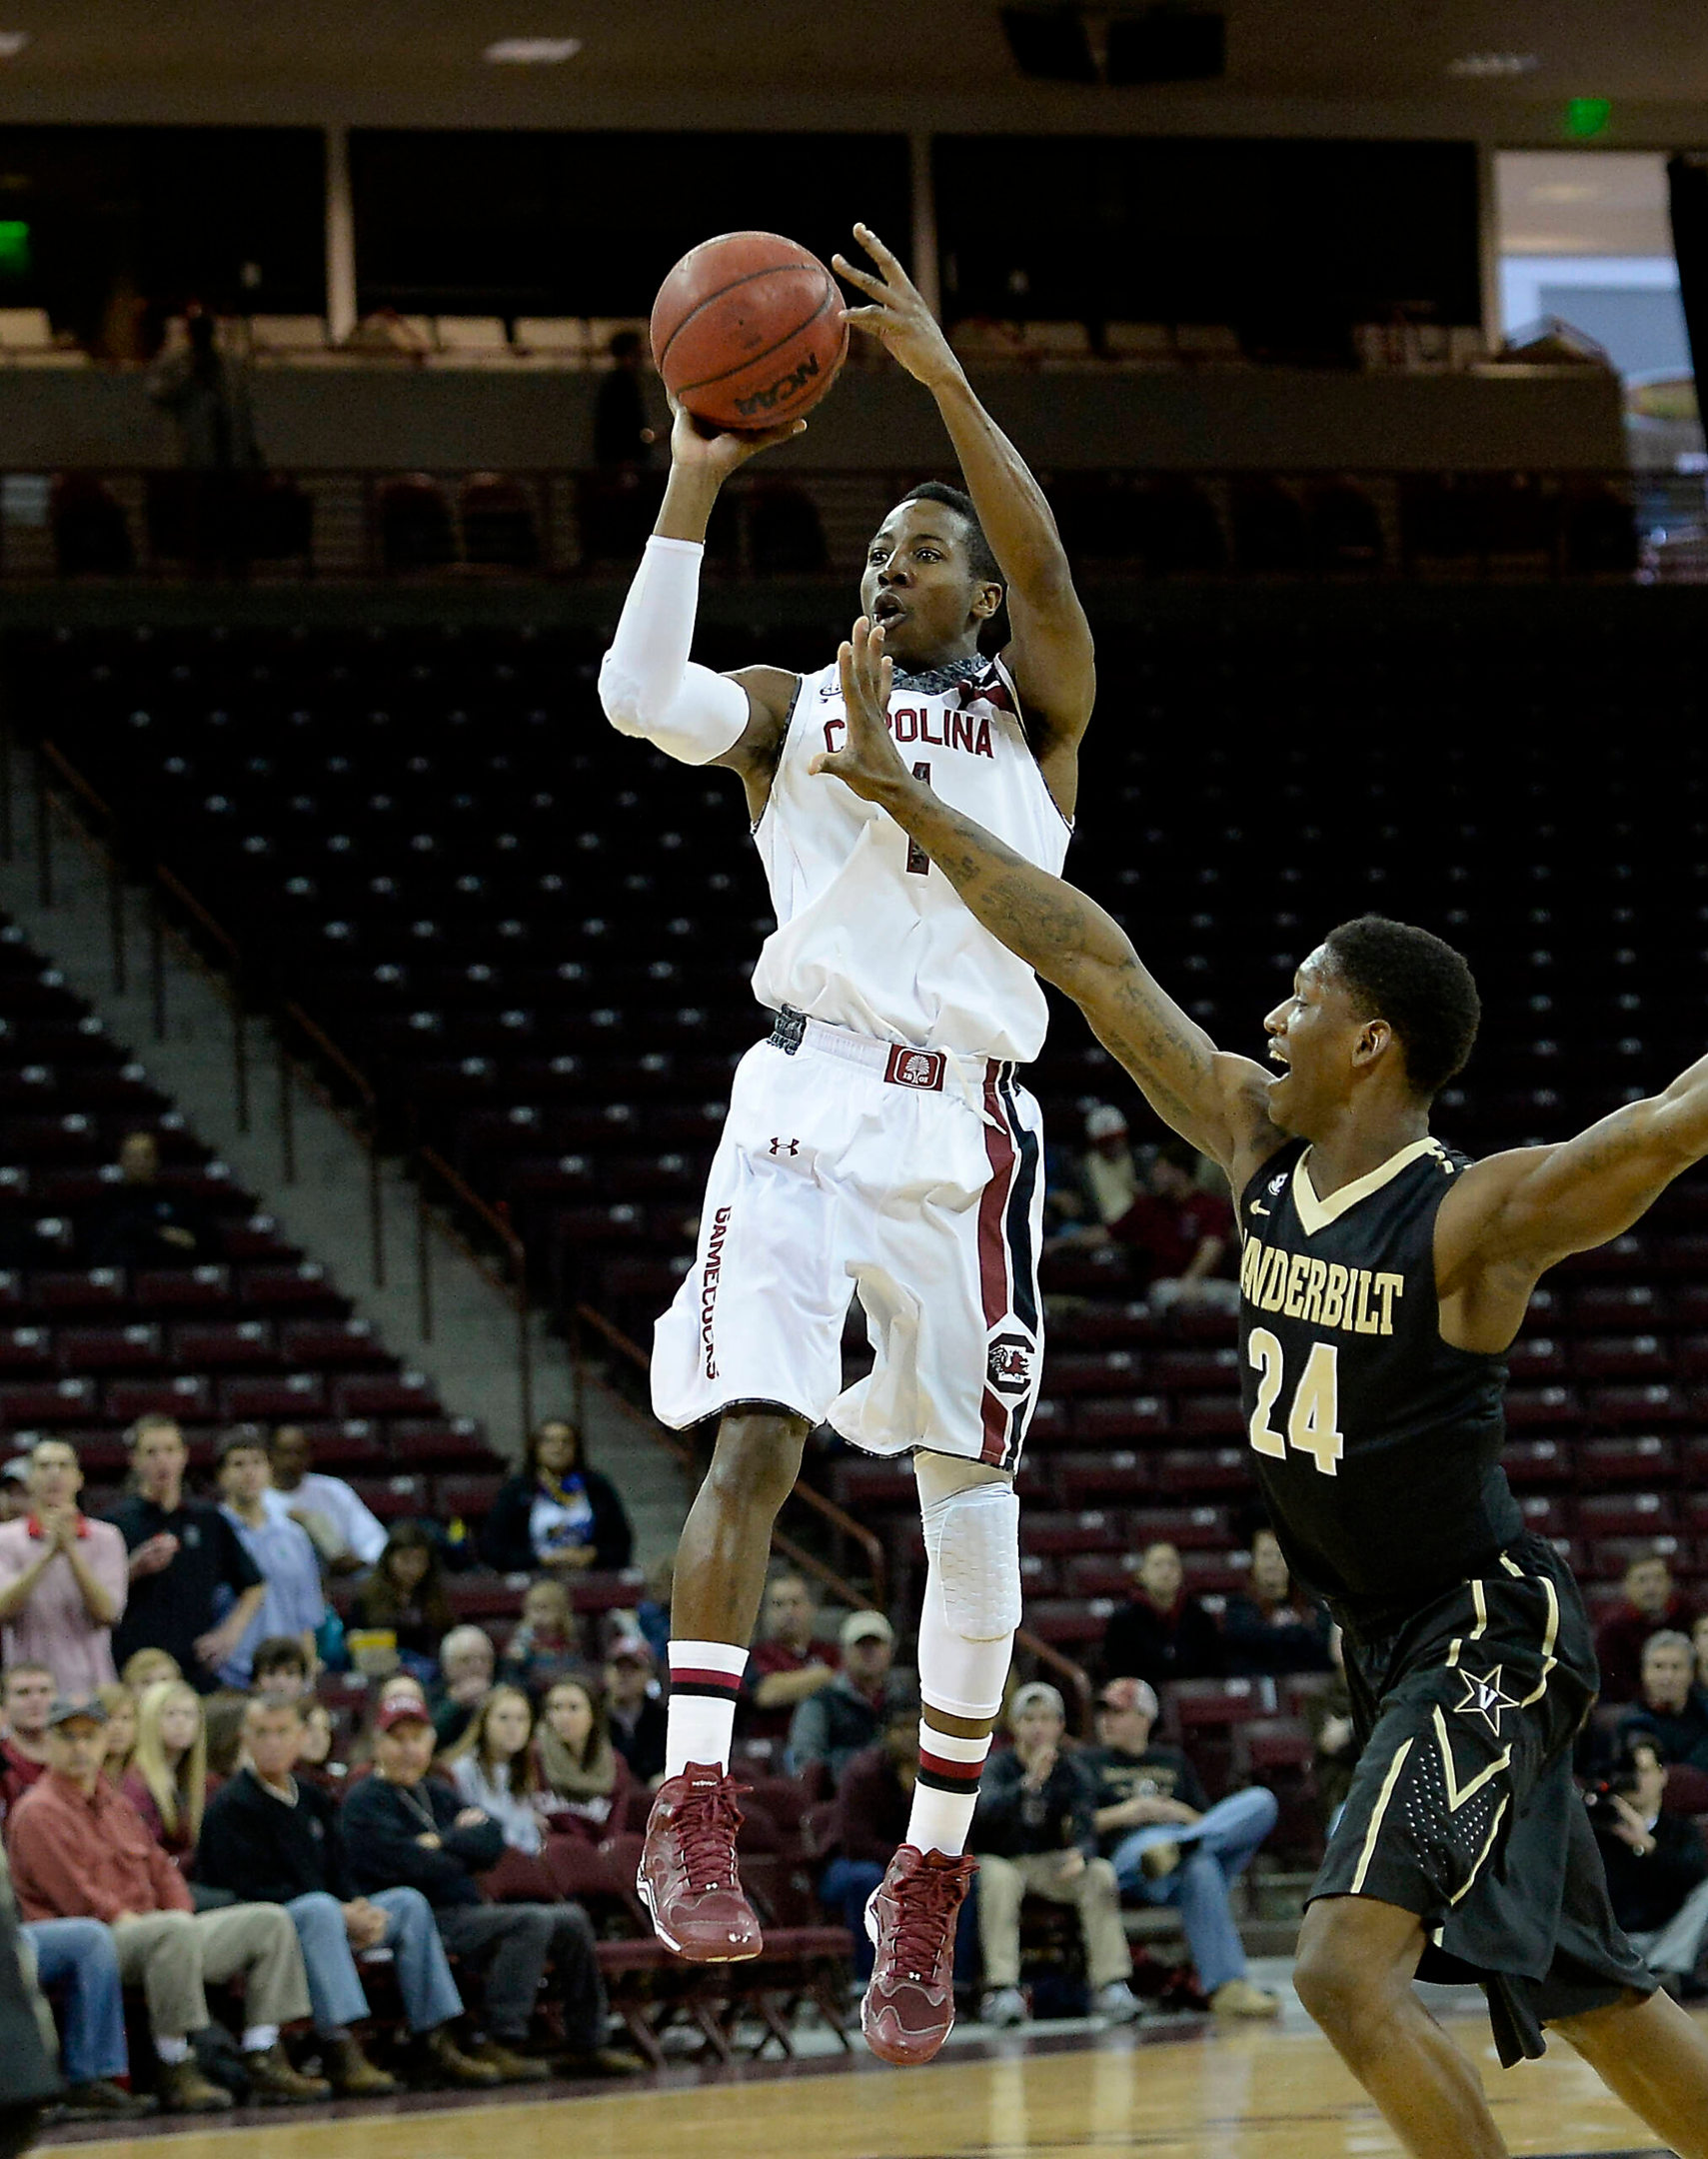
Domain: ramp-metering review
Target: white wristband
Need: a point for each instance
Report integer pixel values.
(648, 684)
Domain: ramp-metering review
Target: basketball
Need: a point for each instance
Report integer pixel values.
(748, 331)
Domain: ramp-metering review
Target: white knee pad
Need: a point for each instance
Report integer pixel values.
(972, 1540)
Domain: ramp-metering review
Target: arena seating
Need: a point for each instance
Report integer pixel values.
(254, 1330)
(536, 939)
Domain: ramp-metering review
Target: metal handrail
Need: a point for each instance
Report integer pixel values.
(826, 1509)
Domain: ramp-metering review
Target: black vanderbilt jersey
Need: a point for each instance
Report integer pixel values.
(1378, 1443)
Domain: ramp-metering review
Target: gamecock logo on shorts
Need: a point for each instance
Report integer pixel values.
(919, 1069)
(1011, 1368)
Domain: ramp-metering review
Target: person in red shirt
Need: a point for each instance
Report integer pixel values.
(873, 1803)
(26, 1696)
(789, 1663)
(1180, 1234)
(1652, 1606)
(79, 1851)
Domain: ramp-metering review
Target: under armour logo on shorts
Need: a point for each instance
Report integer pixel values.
(922, 1068)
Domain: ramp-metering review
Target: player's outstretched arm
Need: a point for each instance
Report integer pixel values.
(1050, 654)
(1514, 1216)
(648, 684)
(1215, 1101)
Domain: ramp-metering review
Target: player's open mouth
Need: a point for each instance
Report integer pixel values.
(1277, 1056)
(885, 608)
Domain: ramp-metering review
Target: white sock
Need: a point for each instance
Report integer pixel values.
(257, 2038)
(946, 1791)
(172, 2051)
(706, 1684)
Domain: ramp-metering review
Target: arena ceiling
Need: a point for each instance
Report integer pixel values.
(86, 54)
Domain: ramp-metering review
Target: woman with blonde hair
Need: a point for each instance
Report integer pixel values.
(167, 1781)
(493, 1767)
(120, 1704)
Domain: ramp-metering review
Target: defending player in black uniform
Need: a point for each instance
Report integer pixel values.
(1383, 1278)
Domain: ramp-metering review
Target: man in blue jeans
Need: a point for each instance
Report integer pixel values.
(77, 1959)
(1168, 1845)
(275, 1841)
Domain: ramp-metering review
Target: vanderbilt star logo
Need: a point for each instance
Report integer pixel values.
(1485, 1698)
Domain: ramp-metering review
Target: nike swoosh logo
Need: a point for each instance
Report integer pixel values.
(1256, 1210)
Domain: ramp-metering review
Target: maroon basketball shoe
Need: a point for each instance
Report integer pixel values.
(909, 2009)
(687, 1877)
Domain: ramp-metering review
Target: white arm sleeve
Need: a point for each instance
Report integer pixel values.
(647, 684)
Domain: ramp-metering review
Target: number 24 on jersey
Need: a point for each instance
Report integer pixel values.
(1314, 1423)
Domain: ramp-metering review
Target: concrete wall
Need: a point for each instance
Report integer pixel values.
(386, 419)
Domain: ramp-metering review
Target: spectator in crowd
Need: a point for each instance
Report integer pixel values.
(63, 1577)
(874, 1799)
(14, 1488)
(849, 1712)
(1657, 1871)
(467, 1661)
(283, 1667)
(1168, 1845)
(77, 1959)
(403, 1596)
(1180, 1234)
(279, 1548)
(27, 1696)
(139, 1222)
(206, 391)
(652, 1613)
(342, 1532)
(80, 1851)
(317, 1759)
(1162, 1634)
(167, 1781)
(633, 1708)
(1699, 1641)
(1108, 1174)
(184, 1556)
(403, 1826)
(120, 1704)
(1269, 1626)
(222, 1720)
(1033, 1835)
(1333, 1740)
(1652, 1602)
(582, 1779)
(789, 1663)
(144, 1669)
(1671, 1711)
(555, 1512)
(492, 1767)
(274, 1838)
(546, 1645)
(621, 438)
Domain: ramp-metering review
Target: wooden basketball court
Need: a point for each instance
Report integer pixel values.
(1244, 2094)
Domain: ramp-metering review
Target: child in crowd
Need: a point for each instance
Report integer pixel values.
(546, 1646)
(493, 1767)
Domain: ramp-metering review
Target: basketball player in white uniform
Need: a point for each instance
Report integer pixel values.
(878, 1142)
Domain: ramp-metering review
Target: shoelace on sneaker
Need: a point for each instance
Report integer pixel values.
(926, 1900)
(705, 1822)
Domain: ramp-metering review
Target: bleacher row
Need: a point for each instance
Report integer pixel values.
(535, 938)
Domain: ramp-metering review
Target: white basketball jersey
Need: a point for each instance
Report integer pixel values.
(870, 935)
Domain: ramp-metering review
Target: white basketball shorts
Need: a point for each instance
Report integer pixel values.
(915, 1180)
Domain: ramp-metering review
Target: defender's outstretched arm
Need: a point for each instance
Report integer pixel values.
(1215, 1101)
(1515, 1214)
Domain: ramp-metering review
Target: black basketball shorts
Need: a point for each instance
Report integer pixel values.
(1462, 1808)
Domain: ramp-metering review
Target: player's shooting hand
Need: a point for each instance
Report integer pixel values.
(868, 759)
(715, 453)
(897, 315)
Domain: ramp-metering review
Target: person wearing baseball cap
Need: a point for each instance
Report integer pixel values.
(405, 1826)
(1168, 1845)
(636, 1714)
(1107, 1170)
(848, 1713)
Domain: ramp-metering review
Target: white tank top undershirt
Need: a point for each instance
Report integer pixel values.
(869, 936)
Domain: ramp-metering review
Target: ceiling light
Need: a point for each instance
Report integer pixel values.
(12, 43)
(533, 51)
(1483, 66)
